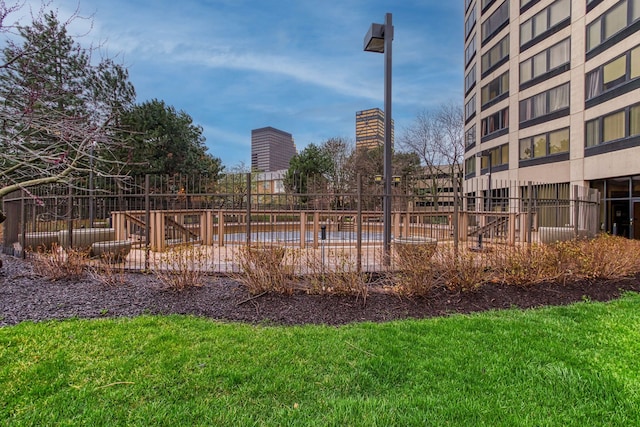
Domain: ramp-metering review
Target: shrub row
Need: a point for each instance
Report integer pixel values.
(270, 268)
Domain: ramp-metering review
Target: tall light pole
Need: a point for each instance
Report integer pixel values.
(378, 39)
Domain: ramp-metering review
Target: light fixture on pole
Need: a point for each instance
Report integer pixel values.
(378, 39)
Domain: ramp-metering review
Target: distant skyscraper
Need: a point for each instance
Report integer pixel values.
(370, 128)
(271, 149)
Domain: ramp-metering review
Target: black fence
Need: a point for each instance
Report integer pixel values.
(142, 218)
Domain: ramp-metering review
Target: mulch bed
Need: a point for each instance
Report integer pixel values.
(27, 297)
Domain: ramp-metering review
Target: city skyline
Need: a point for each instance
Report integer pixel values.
(294, 65)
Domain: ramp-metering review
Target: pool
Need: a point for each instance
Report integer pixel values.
(293, 237)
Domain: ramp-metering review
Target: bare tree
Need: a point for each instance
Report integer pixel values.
(450, 122)
(437, 137)
(55, 124)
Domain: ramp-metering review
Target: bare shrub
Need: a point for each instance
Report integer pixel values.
(263, 269)
(465, 272)
(338, 276)
(181, 267)
(58, 263)
(605, 257)
(415, 273)
(109, 272)
(524, 265)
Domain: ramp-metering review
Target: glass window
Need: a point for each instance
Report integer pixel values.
(558, 98)
(505, 154)
(544, 103)
(614, 71)
(594, 31)
(635, 186)
(559, 141)
(612, 21)
(525, 71)
(470, 50)
(593, 133)
(525, 32)
(613, 127)
(615, 20)
(495, 88)
(496, 157)
(545, 61)
(540, 104)
(594, 88)
(525, 149)
(544, 20)
(495, 21)
(470, 136)
(634, 120)
(544, 145)
(495, 122)
(540, 146)
(559, 11)
(496, 54)
(470, 22)
(540, 64)
(470, 79)
(635, 62)
(539, 24)
(470, 108)
(559, 54)
(484, 163)
(470, 165)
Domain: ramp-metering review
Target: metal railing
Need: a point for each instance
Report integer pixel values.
(149, 215)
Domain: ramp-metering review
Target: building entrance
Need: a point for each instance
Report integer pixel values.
(620, 214)
(620, 224)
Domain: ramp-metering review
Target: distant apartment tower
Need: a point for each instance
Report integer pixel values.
(271, 149)
(552, 94)
(370, 128)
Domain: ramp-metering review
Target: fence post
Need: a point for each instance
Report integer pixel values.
(576, 207)
(23, 224)
(456, 212)
(303, 229)
(248, 212)
(359, 224)
(529, 212)
(147, 220)
(316, 228)
(70, 215)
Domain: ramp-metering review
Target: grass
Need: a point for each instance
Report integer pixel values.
(574, 365)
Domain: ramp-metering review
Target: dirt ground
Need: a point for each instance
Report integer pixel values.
(25, 296)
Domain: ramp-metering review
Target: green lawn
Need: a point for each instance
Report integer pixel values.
(577, 365)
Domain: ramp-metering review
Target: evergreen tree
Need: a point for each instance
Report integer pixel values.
(163, 140)
(57, 109)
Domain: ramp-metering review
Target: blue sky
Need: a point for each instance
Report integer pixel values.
(296, 65)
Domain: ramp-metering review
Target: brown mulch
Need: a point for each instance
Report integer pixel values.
(27, 297)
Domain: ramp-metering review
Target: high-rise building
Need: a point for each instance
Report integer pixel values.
(271, 149)
(552, 94)
(370, 128)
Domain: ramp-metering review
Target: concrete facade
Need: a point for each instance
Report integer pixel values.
(552, 94)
